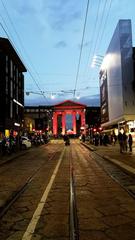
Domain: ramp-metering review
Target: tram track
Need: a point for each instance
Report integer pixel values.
(16, 194)
(8, 208)
(104, 208)
(69, 205)
(74, 229)
(124, 179)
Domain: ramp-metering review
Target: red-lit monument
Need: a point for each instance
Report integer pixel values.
(68, 107)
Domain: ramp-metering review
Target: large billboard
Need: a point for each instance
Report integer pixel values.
(118, 98)
(104, 96)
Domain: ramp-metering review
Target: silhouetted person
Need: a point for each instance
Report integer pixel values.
(120, 139)
(66, 139)
(125, 142)
(101, 139)
(96, 140)
(130, 142)
(83, 138)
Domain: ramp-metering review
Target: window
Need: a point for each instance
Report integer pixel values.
(11, 88)
(11, 68)
(16, 109)
(11, 109)
(6, 84)
(6, 64)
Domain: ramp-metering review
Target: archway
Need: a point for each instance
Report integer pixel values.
(62, 111)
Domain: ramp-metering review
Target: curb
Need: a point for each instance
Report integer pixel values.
(123, 166)
(89, 147)
(128, 169)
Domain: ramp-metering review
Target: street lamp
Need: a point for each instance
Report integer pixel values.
(97, 60)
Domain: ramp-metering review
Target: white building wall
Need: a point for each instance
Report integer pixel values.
(119, 66)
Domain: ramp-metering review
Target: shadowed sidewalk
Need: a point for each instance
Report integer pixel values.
(125, 160)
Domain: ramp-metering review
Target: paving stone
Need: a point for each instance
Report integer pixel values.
(116, 220)
(16, 236)
(124, 232)
(92, 224)
(93, 235)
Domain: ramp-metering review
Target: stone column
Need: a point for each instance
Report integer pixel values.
(83, 118)
(63, 123)
(55, 122)
(74, 122)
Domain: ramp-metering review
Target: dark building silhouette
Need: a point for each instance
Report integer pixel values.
(40, 118)
(93, 117)
(11, 88)
(37, 118)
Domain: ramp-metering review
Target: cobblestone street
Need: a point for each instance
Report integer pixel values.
(105, 210)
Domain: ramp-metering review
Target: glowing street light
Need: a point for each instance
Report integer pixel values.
(52, 96)
(97, 61)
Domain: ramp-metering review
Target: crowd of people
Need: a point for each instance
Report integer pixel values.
(104, 139)
(125, 141)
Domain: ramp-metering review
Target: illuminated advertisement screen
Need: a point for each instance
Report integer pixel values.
(104, 96)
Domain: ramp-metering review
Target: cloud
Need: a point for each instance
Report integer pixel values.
(56, 15)
(93, 100)
(62, 20)
(60, 44)
(25, 8)
(62, 15)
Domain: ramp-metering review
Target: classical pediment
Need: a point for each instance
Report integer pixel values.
(69, 103)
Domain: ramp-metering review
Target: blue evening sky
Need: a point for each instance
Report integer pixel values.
(47, 35)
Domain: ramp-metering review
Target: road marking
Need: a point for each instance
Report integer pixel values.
(32, 225)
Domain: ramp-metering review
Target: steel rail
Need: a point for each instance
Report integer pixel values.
(19, 191)
(74, 231)
(129, 181)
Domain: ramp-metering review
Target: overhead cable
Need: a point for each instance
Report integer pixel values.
(94, 32)
(101, 21)
(106, 19)
(33, 78)
(80, 55)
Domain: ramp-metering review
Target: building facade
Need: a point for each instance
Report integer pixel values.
(117, 79)
(37, 118)
(67, 116)
(11, 89)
